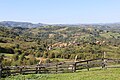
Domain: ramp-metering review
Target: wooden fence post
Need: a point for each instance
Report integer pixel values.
(103, 60)
(56, 67)
(103, 63)
(87, 66)
(36, 69)
(0, 70)
(8, 71)
(21, 70)
(74, 67)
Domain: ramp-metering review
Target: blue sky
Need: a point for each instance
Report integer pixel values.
(60, 11)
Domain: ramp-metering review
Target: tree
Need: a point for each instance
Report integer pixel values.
(47, 60)
(32, 60)
(22, 57)
(15, 57)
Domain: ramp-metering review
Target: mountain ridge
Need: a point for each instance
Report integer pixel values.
(33, 25)
(20, 24)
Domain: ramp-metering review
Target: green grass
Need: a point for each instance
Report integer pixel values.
(8, 55)
(93, 74)
(7, 45)
(109, 35)
(60, 59)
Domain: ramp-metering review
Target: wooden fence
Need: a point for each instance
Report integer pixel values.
(61, 67)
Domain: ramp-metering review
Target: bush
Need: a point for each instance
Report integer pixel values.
(32, 60)
(15, 57)
(55, 60)
(16, 63)
(6, 62)
(47, 60)
(22, 57)
(37, 54)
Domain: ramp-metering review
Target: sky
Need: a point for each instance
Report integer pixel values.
(60, 11)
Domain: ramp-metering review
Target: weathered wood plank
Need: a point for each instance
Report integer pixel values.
(58, 67)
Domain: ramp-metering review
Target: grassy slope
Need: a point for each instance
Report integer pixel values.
(93, 74)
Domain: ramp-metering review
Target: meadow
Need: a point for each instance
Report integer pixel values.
(93, 74)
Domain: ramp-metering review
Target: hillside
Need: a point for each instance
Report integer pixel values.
(24, 46)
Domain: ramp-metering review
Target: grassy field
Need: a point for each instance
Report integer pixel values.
(93, 74)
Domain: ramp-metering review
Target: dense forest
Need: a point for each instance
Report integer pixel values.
(26, 46)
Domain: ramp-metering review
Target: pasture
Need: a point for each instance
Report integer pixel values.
(93, 74)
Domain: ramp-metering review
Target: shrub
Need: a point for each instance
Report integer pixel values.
(47, 60)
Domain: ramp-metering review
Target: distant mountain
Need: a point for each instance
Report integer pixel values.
(112, 25)
(20, 24)
(31, 25)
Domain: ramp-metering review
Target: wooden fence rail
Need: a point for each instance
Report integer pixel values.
(61, 67)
